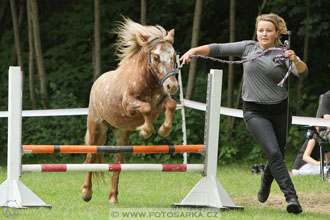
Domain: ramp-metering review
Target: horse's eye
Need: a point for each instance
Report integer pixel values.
(157, 59)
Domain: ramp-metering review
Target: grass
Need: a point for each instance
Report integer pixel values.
(153, 193)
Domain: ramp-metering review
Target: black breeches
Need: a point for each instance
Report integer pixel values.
(269, 125)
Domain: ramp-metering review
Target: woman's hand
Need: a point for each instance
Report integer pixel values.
(185, 58)
(292, 56)
(300, 65)
(201, 50)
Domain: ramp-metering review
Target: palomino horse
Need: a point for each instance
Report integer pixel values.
(132, 96)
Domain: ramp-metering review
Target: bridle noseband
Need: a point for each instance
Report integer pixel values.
(161, 81)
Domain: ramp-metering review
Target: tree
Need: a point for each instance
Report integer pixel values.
(232, 31)
(144, 12)
(20, 21)
(39, 55)
(2, 10)
(16, 37)
(31, 57)
(97, 40)
(305, 57)
(194, 43)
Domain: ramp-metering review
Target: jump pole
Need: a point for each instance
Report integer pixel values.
(113, 167)
(134, 149)
(208, 192)
(13, 193)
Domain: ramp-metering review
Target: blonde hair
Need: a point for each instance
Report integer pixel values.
(278, 22)
(133, 36)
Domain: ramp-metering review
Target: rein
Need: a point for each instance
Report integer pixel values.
(277, 58)
(161, 81)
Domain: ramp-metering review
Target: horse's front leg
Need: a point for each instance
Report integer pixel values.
(170, 106)
(131, 106)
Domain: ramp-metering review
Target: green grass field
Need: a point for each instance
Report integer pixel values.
(151, 194)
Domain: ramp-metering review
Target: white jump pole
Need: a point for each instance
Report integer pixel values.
(208, 192)
(13, 193)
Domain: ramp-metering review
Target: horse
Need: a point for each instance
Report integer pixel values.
(132, 96)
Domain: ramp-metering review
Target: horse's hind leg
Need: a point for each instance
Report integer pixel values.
(95, 135)
(122, 139)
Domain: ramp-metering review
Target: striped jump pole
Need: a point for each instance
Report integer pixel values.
(135, 149)
(112, 167)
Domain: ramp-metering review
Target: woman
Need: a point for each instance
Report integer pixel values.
(308, 158)
(265, 104)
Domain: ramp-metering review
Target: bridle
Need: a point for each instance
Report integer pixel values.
(161, 81)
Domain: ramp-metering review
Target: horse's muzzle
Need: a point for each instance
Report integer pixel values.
(171, 85)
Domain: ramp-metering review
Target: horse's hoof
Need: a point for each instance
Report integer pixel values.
(143, 134)
(162, 135)
(86, 195)
(113, 201)
(87, 199)
(164, 132)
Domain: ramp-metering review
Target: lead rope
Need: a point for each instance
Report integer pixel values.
(277, 58)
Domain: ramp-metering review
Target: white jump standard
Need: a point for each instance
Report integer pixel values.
(208, 192)
(13, 193)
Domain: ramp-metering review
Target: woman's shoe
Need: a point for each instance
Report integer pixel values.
(293, 206)
(263, 192)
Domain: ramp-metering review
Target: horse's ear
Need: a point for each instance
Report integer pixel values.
(170, 36)
(171, 33)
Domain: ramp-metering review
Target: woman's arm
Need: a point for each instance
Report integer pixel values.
(307, 154)
(225, 49)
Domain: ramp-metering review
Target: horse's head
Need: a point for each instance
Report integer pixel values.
(162, 63)
(132, 37)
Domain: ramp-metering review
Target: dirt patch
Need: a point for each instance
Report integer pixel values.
(310, 202)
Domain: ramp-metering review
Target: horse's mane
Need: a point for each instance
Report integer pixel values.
(133, 36)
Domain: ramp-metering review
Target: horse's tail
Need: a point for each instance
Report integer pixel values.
(96, 133)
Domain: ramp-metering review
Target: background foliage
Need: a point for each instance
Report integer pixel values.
(66, 29)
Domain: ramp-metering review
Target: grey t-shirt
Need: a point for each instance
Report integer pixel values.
(260, 77)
